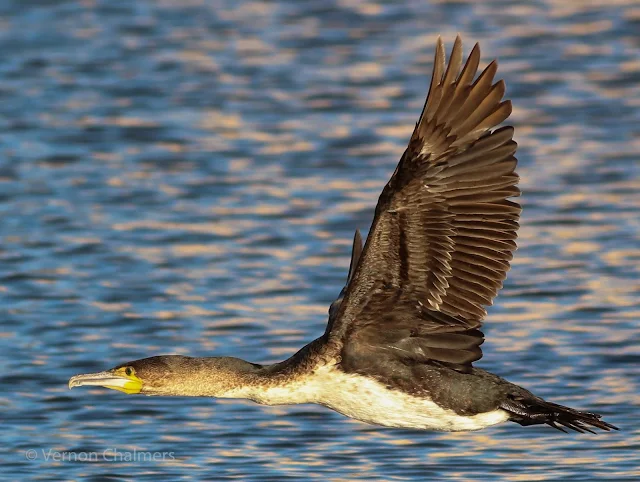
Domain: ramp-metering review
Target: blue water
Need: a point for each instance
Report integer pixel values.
(185, 177)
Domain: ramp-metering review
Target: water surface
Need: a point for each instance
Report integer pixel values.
(185, 177)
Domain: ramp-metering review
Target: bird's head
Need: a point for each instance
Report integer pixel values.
(172, 375)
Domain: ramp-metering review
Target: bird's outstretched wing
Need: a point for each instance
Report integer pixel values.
(444, 229)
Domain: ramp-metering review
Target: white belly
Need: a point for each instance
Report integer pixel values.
(367, 400)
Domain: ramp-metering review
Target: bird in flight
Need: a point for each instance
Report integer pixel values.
(404, 333)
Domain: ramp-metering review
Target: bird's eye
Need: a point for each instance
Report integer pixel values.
(128, 371)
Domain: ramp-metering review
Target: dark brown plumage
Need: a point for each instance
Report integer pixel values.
(444, 231)
(404, 332)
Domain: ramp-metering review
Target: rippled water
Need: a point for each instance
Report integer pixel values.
(185, 177)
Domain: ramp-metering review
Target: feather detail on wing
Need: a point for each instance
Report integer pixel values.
(444, 229)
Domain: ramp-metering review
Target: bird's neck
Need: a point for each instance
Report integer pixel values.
(226, 377)
(220, 377)
(270, 385)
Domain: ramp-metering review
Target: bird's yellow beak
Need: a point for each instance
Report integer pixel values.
(117, 379)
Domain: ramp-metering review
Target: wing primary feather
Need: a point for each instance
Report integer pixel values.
(486, 106)
(463, 87)
(448, 83)
(436, 77)
(478, 92)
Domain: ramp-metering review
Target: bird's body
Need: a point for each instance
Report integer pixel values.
(372, 401)
(420, 396)
(402, 336)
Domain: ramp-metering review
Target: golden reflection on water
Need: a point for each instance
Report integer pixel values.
(242, 249)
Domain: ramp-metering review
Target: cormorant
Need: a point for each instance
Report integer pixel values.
(402, 337)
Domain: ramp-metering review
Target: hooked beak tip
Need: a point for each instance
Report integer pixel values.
(74, 382)
(108, 380)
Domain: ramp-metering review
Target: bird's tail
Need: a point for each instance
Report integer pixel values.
(533, 410)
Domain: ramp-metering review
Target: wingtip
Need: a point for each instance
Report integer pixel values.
(492, 67)
(457, 42)
(357, 237)
(508, 107)
(439, 58)
(475, 51)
